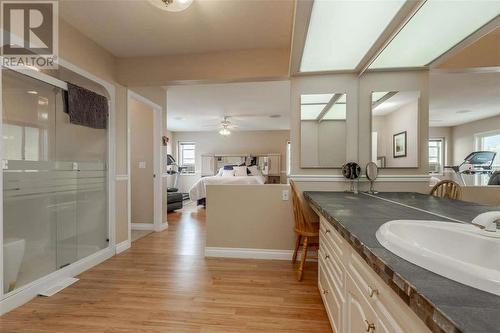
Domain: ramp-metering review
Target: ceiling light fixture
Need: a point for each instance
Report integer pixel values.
(172, 5)
(225, 127)
(224, 131)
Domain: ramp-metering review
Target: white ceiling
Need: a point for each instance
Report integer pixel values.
(395, 102)
(458, 98)
(129, 28)
(249, 105)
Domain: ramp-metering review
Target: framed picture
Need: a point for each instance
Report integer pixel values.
(399, 145)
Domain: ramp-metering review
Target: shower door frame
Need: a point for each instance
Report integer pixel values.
(27, 292)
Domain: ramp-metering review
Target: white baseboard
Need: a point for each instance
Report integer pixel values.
(123, 246)
(162, 227)
(24, 294)
(246, 253)
(143, 226)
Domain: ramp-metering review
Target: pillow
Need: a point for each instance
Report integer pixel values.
(240, 171)
(227, 173)
(228, 167)
(254, 170)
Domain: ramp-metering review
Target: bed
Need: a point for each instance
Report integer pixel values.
(198, 190)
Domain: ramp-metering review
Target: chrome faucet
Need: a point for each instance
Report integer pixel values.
(487, 221)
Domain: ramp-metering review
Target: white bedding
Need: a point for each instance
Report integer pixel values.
(198, 190)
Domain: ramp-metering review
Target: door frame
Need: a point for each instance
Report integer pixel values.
(157, 225)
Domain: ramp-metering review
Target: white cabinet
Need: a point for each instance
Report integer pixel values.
(355, 297)
(360, 317)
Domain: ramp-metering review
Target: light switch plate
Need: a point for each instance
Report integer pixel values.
(142, 164)
(285, 195)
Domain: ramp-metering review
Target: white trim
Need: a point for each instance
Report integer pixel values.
(26, 293)
(380, 178)
(247, 253)
(40, 76)
(120, 178)
(123, 246)
(162, 227)
(157, 169)
(142, 226)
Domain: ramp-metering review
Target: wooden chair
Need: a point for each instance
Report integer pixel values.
(447, 189)
(306, 228)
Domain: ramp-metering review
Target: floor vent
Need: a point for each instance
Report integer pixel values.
(58, 286)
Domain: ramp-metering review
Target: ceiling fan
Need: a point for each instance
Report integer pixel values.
(225, 127)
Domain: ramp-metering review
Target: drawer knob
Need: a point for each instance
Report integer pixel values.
(327, 231)
(325, 291)
(372, 292)
(370, 327)
(327, 256)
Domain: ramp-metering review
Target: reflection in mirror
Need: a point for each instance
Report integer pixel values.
(322, 130)
(372, 174)
(395, 129)
(464, 128)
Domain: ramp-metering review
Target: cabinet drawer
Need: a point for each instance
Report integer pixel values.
(393, 313)
(360, 316)
(333, 262)
(332, 298)
(330, 235)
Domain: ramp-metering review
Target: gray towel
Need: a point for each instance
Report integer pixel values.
(86, 108)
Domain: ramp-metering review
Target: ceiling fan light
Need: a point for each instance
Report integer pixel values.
(224, 132)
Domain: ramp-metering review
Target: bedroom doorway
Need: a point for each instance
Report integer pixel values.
(144, 159)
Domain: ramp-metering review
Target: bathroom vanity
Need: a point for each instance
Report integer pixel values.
(367, 288)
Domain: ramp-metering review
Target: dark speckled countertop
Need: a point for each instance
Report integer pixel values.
(444, 305)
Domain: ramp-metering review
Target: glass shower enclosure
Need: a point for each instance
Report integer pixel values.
(55, 202)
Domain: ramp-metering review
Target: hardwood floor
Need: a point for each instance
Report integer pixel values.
(164, 284)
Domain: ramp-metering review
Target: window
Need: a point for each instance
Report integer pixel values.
(490, 142)
(436, 155)
(187, 157)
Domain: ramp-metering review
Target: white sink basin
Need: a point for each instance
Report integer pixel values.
(457, 251)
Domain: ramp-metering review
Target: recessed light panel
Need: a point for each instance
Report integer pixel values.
(340, 33)
(433, 30)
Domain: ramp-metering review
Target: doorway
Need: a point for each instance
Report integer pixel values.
(145, 201)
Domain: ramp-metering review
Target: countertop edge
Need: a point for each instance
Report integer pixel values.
(435, 319)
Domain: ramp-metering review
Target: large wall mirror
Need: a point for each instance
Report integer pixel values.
(395, 129)
(464, 128)
(322, 130)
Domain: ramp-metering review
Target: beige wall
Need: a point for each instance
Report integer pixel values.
(141, 151)
(463, 136)
(400, 120)
(249, 216)
(489, 195)
(222, 66)
(323, 143)
(239, 142)
(483, 53)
